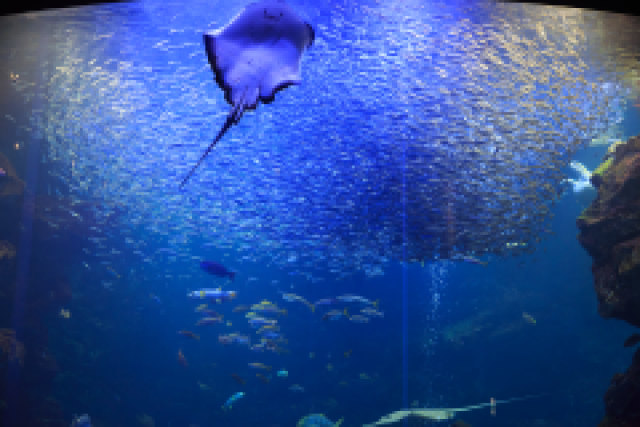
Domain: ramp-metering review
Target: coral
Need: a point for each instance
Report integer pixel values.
(10, 346)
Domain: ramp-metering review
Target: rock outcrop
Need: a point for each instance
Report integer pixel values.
(610, 232)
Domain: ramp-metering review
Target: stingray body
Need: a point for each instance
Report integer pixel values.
(254, 56)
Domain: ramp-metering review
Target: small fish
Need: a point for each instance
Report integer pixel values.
(359, 318)
(268, 308)
(258, 321)
(289, 297)
(259, 365)
(217, 269)
(273, 347)
(371, 312)
(156, 298)
(325, 301)
(229, 403)
(347, 353)
(84, 420)
(216, 294)
(241, 339)
(189, 334)
(265, 379)
(470, 259)
(528, 318)
(238, 379)
(181, 359)
(296, 388)
(515, 244)
(3, 172)
(209, 321)
(201, 308)
(225, 339)
(203, 386)
(335, 314)
(233, 338)
(350, 298)
(268, 328)
(282, 373)
(211, 313)
(241, 308)
(65, 314)
(115, 273)
(259, 347)
(632, 340)
(270, 335)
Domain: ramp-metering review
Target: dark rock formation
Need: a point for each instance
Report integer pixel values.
(622, 400)
(610, 232)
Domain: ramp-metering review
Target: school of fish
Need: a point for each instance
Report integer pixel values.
(461, 153)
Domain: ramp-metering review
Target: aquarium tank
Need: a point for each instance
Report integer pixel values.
(319, 213)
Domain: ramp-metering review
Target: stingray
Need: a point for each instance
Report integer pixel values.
(254, 56)
(441, 414)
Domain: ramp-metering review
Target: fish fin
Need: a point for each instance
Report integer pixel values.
(346, 312)
(375, 303)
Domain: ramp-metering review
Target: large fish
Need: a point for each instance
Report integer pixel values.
(254, 56)
(217, 269)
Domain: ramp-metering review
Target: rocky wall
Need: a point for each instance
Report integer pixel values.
(610, 232)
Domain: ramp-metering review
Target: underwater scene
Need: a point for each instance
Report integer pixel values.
(319, 213)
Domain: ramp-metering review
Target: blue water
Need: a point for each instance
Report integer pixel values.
(127, 363)
(422, 133)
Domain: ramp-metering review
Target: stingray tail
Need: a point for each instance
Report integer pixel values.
(232, 118)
